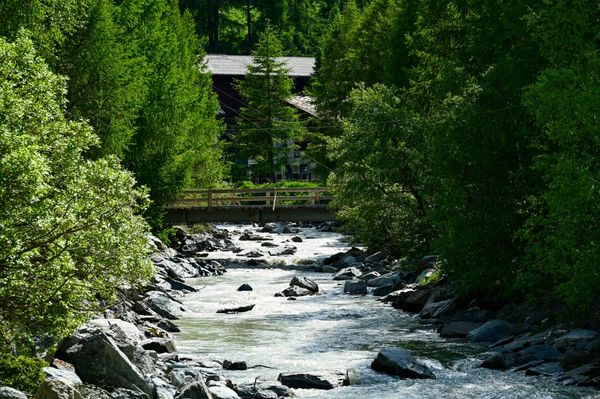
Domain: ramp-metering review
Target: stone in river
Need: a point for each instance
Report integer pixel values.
(355, 287)
(313, 380)
(294, 291)
(347, 273)
(229, 365)
(400, 362)
(303, 282)
(244, 287)
(490, 331)
(237, 309)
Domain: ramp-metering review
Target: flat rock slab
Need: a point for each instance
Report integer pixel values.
(237, 309)
(400, 362)
(313, 380)
(490, 331)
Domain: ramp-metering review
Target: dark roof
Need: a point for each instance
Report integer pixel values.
(236, 65)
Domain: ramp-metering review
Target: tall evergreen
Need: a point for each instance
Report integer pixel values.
(267, 124)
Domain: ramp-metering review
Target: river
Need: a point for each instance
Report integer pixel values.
(335, 332)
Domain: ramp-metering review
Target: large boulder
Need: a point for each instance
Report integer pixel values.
(400, 362)
(391, 278)
(163, 305)
(576, 339)
(263, 390)
(222, 392)
(245, 287)
(313, 380)
(195, 389)
(303, 282)
(457, 329)
(11, 393)
(57, 388)
(438, 310)
(99, 361)
(490, 331)
(355, 287)
(347, 273)
(500, 360)
(67, 375)
(376, 257)
(294, 292)
(412, 299)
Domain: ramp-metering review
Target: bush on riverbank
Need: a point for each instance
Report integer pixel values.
(70, 227)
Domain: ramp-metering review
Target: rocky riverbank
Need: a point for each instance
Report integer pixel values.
(130, 351)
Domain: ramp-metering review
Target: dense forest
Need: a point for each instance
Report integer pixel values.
(468, 129)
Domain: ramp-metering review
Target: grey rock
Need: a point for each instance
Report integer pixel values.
(500, 361)
(490, 331)
(382, 291)
(457, 329)
(88, 391)
(163, 305)
(539, 352)
(313, 380)
(355, 287)
(238, 365)
(269, 244)
(222, 392)
(295, 291)
(371, 275)
(287, 250)
(376, 257)
(296, 239)
(122, 393)
(391, 278)
(99, 361)
(400, 362)
(547, 369)
(11, 393)
(57, 388)
(303, 282)
(237, 309)
(195, 389)
(575, 339)
(438, 310)
(68, 375)
(412, 299)
(347, 273)
(245, 287)
(159, 345)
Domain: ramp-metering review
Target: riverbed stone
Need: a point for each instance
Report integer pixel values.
(376, 257)
(400, 362)
(222, 392)
(313, 380)
(11, 393)
(391, 278)
(347, 273)
(245, 287)
(457, 329)
(195, 389)
(551, 369)
(490, 331)
(303, 282)
(438, 310)
(68, 375)
(383, 291)
(500, 360)
(286, 251)
(355, 287)
(412, 299)
(99, 361)
(294, 292)
(57, 388)
(575, 339)
(163, 305)
(542, 352)
(159, 345)
(234, 365)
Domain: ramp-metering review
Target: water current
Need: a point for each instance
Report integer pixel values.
(334, 332)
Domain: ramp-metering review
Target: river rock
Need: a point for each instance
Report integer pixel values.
(245, 287)
(370, 275)
(542, 352)
(159, 345)
(383, 291)
(391, 278)
(287, 250)
(296, 239)
(11, 393)
(222, 392)
(438, 310)
(347, 273)
(57, 388)
(163, 305)
(412, 299)
(195, 389)
(122, 393)
(99, 361)
(269, 244)
(263, 390)
(400, 362)
(253, 237)
(313, 380)
(490, 331)
(457, 329)
(576, 339)
(303, 282)
(552, 369)
(340, 257)
(237, 309)
(500, 360)
(587, 375)
(376, 257)
(67, 375)
(294, 292)
(88, 391)
(355, 287)
(239, 365)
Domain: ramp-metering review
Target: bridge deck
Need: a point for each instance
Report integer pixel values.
(251, 205)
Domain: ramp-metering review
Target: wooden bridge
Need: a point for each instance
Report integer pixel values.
(251, 205)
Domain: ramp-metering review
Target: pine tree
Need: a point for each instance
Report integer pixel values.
(267, 125)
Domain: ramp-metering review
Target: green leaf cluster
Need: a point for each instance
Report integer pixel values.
(489, 119)
(70, 230)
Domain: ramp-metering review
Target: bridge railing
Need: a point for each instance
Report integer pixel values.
(272, 197)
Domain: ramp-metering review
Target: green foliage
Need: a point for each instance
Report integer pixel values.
(266, 126)
(379, 184)
(71, 233)
(22, 373)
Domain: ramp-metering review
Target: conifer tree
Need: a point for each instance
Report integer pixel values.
(267, 125)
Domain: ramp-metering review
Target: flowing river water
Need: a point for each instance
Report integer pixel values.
(334, 332)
